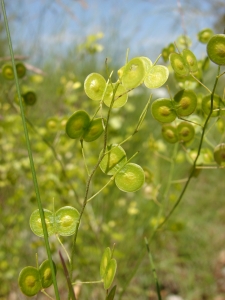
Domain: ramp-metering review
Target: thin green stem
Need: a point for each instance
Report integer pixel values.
(87, 282)
(63, 247)
(153, 269)
(83, 155)
(48, 250)
(201, 83)
(46, 294)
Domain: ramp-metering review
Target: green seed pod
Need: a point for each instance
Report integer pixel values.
(110, 273)
(121, 96)
(147, 62)
(186, 131)
(7, 72)
(163, 110)
(156, 77)
(29, 282)
(106, 257)
(205, 35)
(183, 41)
(165, 54)
(30, 98)
(46, 274)
(171, 48)
(94, 86)
(130, 178)
(169, 132)
(179, 64)
(133, 73)
(21, 70)
(36, 226)
(66, 219)
(113, 160)
(206, 104)
(190, 59)
(216, 49)
(186, 102)
(52, 124)
(77, 124)
(94, 130)
(219, 154)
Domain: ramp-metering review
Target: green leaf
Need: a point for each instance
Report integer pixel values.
(130, 178)
(110, 273)
(106, 257)
(29, 282)
(112, 293)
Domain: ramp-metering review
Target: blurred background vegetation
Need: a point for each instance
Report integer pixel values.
(61, 42)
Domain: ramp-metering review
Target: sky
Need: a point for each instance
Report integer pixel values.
(45, 27)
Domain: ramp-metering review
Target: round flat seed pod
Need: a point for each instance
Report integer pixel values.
(66, 219)
(169, 132)
(133, 73)
(113, 160)
(21, 70)
(186, 131)
(30, 98)
(186, 102)
(121, 96)
(216, 49)
(46, 274)
(163, 111)
(94, 130)
(106, 257)
(205, 35)
(36, 226)
(165, 54)
(190, 59)
(206, 104)
(94, 86)
(147, 62)
(183, 41)
(219, 154)
(7, 72)
(77, 124)
(130, 178)
(171, 48)
(29, 282)
(179, 64)
(156, 77)
(110, 273)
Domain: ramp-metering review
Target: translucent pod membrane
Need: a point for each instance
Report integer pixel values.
(156, 77)
(32, 280)
(120, 97)
(179, 64)
(163, 110)
(206, 104)
(30, 98)
(113, 160)
(190, 59)
(183, 41)
(130, 178)
(7, 72)
(185, 131)
(169, 133)
(80, 125)
(63, 222)
(133, 73)
(186, 102)
(219, 154)
(216, 49)
(108, 268)
(205, 35)
(94, 86)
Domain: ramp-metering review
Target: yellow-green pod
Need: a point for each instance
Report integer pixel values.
(30, 98)
(133, 73)
(165, 54)
(156, 77)
(7, 72)
(216, 49)
(147, 62)
(171, 48)
(106, 257)
(219, 154)
(205, 35)
(66, 219)
(36, 225)
(94, 86)
(186, 102)
(179, 64)
(29, 281)
(169, 133)
(77, 124)
(206, 104)
(45, 274)
(21, 70)
(163, 110)
(121, 96)
(94, 130)
(190, 59)
(185, 131)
